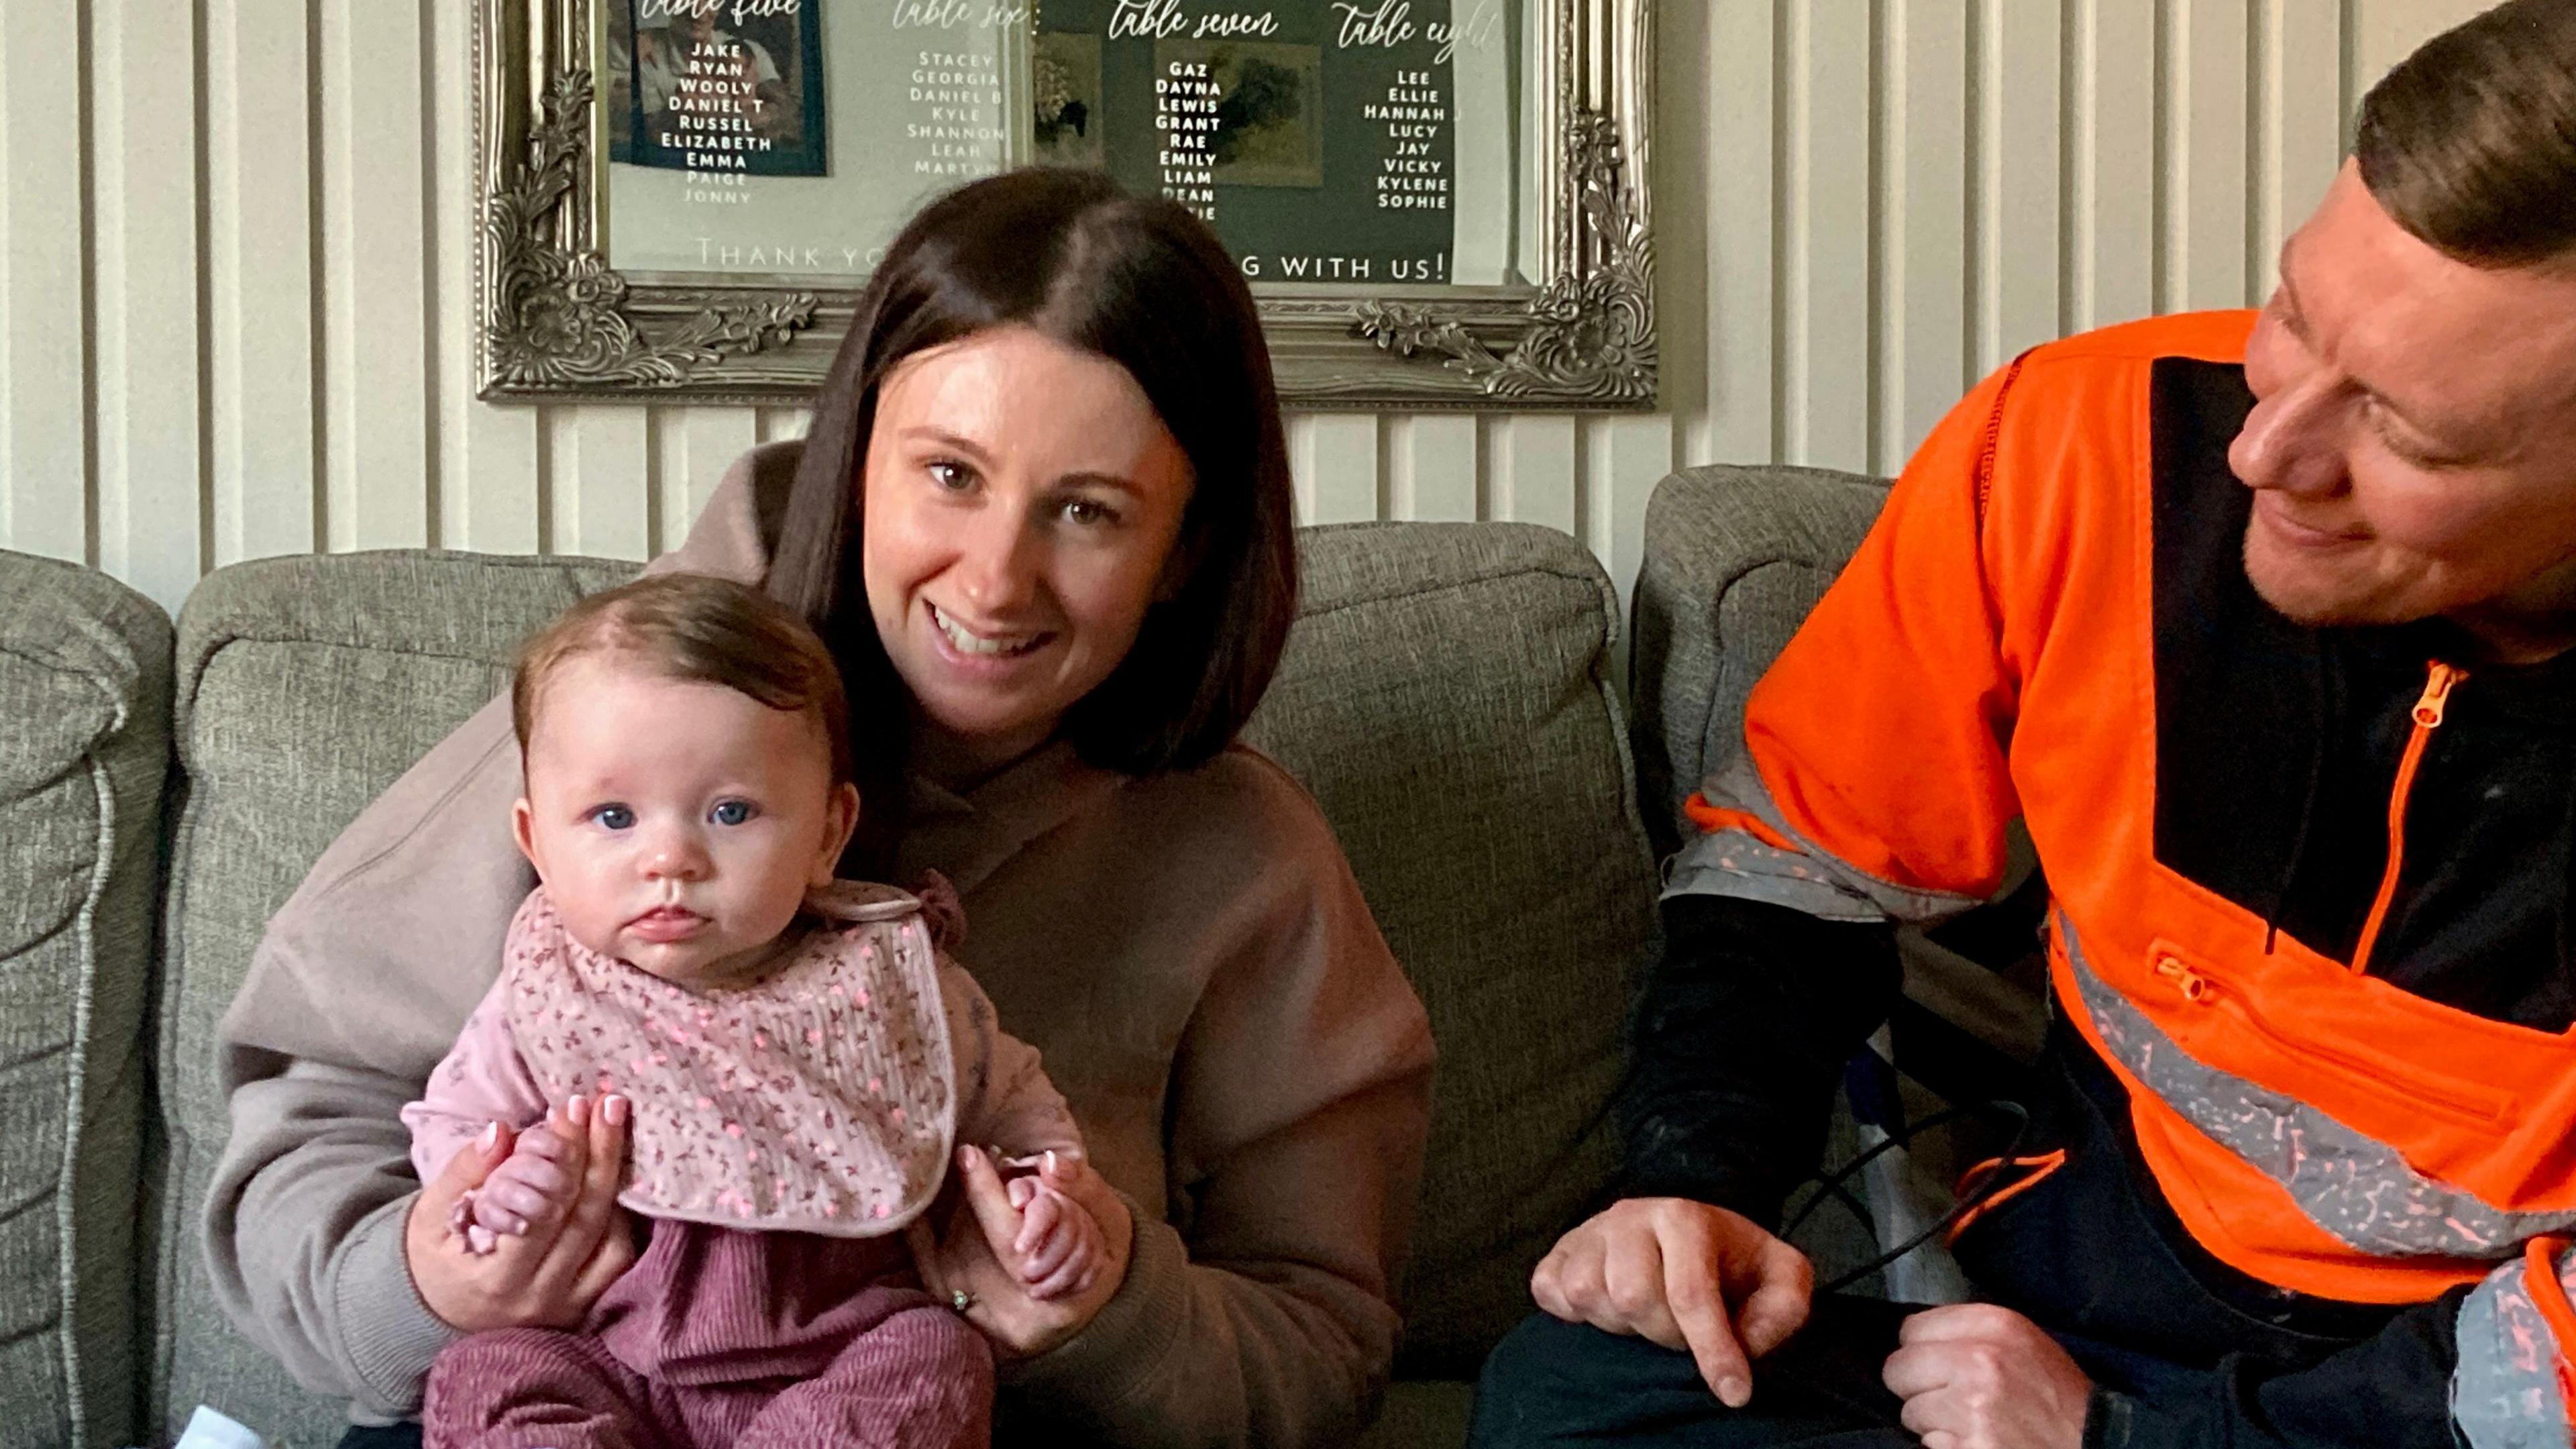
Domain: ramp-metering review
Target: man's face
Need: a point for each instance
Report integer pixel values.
(2412, 449)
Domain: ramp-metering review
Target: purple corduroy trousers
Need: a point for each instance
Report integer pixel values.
(724, 1339)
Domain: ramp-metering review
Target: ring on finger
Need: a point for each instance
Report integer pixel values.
(960, 1299)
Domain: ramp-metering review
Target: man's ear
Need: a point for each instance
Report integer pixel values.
(840, 821)
(523, 832)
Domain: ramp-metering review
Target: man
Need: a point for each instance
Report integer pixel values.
(2260, 624)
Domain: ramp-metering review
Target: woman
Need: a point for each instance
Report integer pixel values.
(1043, 518)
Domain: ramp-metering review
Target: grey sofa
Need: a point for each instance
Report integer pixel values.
(1449, 696)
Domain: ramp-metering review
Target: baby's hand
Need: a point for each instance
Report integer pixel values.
(531, 1186)
(1059, 1246)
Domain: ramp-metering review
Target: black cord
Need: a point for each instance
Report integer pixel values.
(1831, 1184)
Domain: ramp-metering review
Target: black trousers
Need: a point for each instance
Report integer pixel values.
(1552, 1383)
(1568, 1383)
(405, 1435)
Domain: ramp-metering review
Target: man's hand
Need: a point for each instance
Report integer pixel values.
(570, 1251)
(1974, 1376)
(1684, 1275)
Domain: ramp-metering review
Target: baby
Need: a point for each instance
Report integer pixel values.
(798, 1056)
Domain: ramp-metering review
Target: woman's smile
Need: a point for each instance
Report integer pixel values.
(971, 642)
(1022, 499)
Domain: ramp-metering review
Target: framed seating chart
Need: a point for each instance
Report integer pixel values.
(1437, 203)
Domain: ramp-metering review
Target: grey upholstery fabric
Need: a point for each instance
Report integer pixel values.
(305, 686)
(1735, 557)
(1446, 696)
(84, 750)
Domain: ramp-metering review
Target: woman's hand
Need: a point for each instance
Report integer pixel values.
(1058, 1248)
(1685, 1275)
(574, 1239)
(976, 1247)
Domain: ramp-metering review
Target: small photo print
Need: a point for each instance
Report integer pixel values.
(699, 85)
(1269, 111)
(1066, 72)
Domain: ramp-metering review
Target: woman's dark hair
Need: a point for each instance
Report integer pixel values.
(2470, 143)
(1145, 284)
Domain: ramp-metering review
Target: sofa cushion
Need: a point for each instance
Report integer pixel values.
(85, 691)
(305, 686)
(1735, 557)
(1447, 697)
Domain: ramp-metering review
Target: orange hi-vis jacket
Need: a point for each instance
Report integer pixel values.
(2029, 631)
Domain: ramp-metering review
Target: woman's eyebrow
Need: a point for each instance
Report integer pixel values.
(1112, 481)
(945, 438)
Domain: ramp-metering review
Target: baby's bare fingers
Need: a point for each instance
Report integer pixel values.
(1083, 1250)
(1071, 1280)
(1056, 1284)
(548, 1142)
(521, 1200)
(1037, 1220)
(495, 1220)
(1049, 1254)
(541, 1174)
(576, 1231)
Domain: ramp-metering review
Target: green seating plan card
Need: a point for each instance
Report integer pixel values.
(1319, 139)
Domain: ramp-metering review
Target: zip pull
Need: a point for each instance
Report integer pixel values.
(2190, 983)
(2439, 681)
(2437, 694)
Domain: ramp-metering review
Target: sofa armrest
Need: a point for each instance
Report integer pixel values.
(84, 751)
(1734, 559)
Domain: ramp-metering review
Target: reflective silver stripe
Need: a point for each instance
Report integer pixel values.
(2504, 1392)
(2357, 1188)
(1735, 863)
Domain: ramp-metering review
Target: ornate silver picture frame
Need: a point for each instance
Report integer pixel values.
(1558, 315)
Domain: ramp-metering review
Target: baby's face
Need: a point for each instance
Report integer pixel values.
(677, 825)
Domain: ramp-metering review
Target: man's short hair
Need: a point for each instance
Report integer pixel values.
(2470, 143)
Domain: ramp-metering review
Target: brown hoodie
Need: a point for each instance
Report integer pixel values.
(1188, 951)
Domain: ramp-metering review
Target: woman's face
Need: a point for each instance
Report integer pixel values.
(1021, 500)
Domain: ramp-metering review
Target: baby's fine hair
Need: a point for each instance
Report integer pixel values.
(699, 628)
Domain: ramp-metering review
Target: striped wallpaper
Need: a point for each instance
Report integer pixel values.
(234, 296)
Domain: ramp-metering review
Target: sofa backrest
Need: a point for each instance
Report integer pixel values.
(84, 751)
(305, 685)
(1735, 557)
(1446, 696)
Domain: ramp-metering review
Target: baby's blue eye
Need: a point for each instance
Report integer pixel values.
(731, 812)
(614, 817)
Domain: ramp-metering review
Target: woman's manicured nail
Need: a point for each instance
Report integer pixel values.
(491, 1137)
(614, 1109)
(578, 1110)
